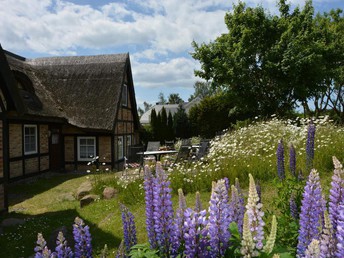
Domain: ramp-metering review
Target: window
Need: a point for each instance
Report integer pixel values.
(125, 95)
(30, 139)
(128, 141)
(120, 147)
(86, 148)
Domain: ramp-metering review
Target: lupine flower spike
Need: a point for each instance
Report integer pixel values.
(255, 214)
(237, 208)
(272, 237)
(294, 213)
(62, 250)
(326, 239)
(149, 197)
(177, 233)
(247, 244)
(198, 205)
(219, 219)
(129, 228)
(310, 146)
(280, 160)
(41, 249)
(292, 160)
(163, 211)
(313, 250)
(340, 231)
(336, 194)
(311, 213)
(82, 238)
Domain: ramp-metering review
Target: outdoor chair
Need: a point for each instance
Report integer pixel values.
(183, 154)
(203, 149)
(186, 142)
(169, 145)
(133, 160)
(152, 146)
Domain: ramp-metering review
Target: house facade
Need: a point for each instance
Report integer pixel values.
(59, 112)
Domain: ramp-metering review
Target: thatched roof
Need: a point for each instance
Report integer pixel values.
(85, 90)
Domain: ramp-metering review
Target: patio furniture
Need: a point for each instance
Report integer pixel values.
(169, 145)
(203, 149)
(183, 154)
(152, 146)
(133, 160)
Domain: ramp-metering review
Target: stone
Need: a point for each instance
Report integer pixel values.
(109, 193)
(12, 222)
(67, 197)
(86, 200)
(84, 189)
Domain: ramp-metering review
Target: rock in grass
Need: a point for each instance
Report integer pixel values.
(84, 189)
(86, 200)
(12, 222)
(109, 192)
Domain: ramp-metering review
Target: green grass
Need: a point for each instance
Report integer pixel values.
(44, 203)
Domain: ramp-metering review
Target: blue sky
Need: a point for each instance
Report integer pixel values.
(156, 33)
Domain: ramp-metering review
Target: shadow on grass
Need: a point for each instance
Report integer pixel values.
(20, 240)
(26, 188)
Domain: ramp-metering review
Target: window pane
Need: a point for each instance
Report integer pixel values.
(30, 139)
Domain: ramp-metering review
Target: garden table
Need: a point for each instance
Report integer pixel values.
(157, 153)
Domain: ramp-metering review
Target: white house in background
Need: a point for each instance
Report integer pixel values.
(145, 118)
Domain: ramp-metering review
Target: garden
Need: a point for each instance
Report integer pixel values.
(273, 188)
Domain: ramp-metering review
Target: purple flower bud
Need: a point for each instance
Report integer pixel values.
(41, 249)
(292, 160)
(219, 219)
(237, 208)
(311, 213)
(198, 205)
(340, 231)
(280, 160)
(129, 228)
(82, 238)
(294, 213)
(62, 250)
(310, 146)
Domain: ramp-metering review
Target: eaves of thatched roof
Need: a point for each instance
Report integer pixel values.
(85, 90)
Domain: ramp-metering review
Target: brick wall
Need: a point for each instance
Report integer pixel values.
(15, 138)
(44, 163)
(44, 138)
(105, 148)
(2, 198)
(16, 168)
(69, 148)
(31, 165)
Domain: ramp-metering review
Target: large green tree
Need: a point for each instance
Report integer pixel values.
(269, 63)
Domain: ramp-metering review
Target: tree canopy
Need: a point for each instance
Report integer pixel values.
(272, 63)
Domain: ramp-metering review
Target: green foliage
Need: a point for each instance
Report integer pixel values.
(210, 116)
(143, 251)
(181, 123)
(270, 63)
(174, 98)
(235, 240)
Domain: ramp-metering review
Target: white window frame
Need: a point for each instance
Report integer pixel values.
(94, 147)
(120, 151)
(125, 95)
(36, 140)
(128, 139)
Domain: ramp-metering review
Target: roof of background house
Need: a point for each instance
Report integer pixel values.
(85, 90)
(145, 118)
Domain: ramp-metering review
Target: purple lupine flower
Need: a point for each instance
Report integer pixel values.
(340, 231)
(82, 238)
(311, 213)
(41, 249)
(237, 209)
(121, 250)
(148, 186)
(313, 249)
(227, 184)
(198, 205)
(255, 215)
(280, 160)
(129, 228)
(62, 250)
(163, 211)
(202, 234)
(336, 194)
(327, 246)
(310, 145)
(177, 233)
(219, 219)
(190, 233)
(292, 160)
(294, 213)
(259, 191)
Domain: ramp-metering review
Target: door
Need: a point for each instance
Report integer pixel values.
(56, 148)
